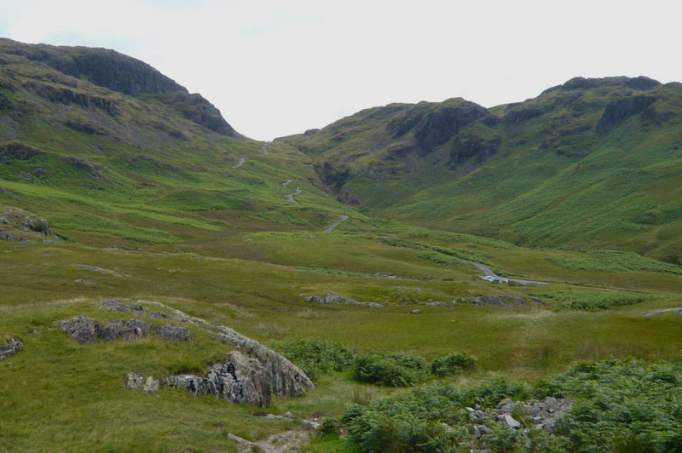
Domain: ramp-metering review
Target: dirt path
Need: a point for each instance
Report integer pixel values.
(333, 226)
(286, 442)
(487, 272)
(649, 314)
(241, 162)
(291, 198)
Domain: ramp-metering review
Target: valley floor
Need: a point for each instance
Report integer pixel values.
(591, 306)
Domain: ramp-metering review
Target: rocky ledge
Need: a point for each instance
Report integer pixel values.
(16, 223)
(251, 373)
(239, 379)
(85, 329)
(503, 299)
(12, 347)
(332, 298)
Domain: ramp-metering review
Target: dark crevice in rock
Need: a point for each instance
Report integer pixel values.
(617, 112)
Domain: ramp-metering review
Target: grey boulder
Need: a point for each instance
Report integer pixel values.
(83, 329)
(240, 379)
(12, 347)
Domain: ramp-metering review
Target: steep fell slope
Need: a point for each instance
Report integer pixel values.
(593, 162)
(108, 149)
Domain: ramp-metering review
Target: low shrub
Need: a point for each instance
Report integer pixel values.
(619, 405)
(316, 357)
(399, 369)
(452, 364)
(328, 425)
(589, 300)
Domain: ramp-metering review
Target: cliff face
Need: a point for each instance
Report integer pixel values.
(122, 74)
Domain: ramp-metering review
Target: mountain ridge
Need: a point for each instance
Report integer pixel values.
(404, 161)
(120, 73)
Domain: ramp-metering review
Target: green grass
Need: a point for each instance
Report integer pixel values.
(554, 180)
(168, 218)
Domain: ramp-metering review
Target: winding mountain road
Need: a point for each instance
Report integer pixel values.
(333, 226)
(291, 198)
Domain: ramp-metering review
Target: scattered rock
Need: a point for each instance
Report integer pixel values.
(13, 346)
(87, 330)
(287, 442)
(510, 421)
(545, 413)
(129, 329)
(151, 385)
(332, 298)
(158, 315)
(134, 381)
(83, 329)
(503, 299)
(416, 311)
(174, 333)
(506, 405)
(476, 415)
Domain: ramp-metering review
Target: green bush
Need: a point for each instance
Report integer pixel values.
(619, 406)
(397, 370)
(452, 364)
(589, 300)
(328, 425)
(316, 357)
(429, 418)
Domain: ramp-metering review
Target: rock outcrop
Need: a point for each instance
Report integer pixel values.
(136, 381)
(285, 378)
(502, 299)
(127, 329)
(240, 379)
(332, 298)
(251, 374)
(24, 220)
(13, 346)
(618, 111)
(85, 329)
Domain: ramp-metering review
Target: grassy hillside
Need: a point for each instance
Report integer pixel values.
(591, 163)
(120, 184)
(120, 164)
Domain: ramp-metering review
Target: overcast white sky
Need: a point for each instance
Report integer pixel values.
(279, 67)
